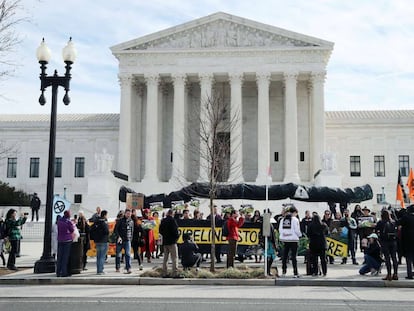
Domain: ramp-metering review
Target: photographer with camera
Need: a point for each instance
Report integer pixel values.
(13, 235)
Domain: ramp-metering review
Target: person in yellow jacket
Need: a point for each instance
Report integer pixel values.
(157, 236)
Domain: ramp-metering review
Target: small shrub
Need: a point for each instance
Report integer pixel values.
(232, 273)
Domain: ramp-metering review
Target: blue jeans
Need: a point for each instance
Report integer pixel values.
(101, 250)
(369, 263)
(126, 246)
(63, 258)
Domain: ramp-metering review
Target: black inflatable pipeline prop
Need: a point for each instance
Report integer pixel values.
(254, 192)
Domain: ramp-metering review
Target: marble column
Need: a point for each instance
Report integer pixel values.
(179, 125)
(125, 124)
(137, 130)
(236, 135)
(151, 139)
(317, 120)
(263, 127)
(206, 84)
(291, 128)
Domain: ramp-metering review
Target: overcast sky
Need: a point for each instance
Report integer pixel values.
(371, 66)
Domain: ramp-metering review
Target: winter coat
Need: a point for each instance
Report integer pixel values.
(233, 225)
(169, 231)
(317, 237)
(289, 229)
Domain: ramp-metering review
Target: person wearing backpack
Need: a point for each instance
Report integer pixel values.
(387, 232)
(101, 234)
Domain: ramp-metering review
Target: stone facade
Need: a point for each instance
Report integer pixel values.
(273, 82)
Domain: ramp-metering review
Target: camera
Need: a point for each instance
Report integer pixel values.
(26, 214)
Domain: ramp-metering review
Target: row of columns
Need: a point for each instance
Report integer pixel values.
(236, 151)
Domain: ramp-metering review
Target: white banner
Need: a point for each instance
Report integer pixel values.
(59, 206)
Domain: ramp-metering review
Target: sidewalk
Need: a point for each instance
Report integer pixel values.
(338, 275)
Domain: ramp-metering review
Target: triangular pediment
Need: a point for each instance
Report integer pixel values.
(221, 31)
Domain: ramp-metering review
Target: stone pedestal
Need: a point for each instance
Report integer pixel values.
(103, 191)
(328, 179)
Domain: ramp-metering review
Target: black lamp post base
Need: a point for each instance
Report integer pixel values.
(45, 265)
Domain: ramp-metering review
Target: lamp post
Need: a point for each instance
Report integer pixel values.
(46, 263)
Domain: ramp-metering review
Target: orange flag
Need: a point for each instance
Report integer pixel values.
(410, 185)
(400, 191)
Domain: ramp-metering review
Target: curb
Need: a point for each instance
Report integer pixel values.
(205, 282)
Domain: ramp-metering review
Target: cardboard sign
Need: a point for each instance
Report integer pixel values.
(135, 200)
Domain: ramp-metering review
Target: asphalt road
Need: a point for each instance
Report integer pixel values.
(202, 298)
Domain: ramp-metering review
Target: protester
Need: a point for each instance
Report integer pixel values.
(387, 232)
(327, 219)
(257, 218)
(54, 237)
(170, 235)
(189, 253)
(351, 225)
(217, 219)
(372, 256)
(157, 237)
(305, 222)
(317, 231)
(2, 237)
(101, 241)
(366, 226)
(289, 234)
(149, 246)
(233, 224)
(35, 206)
(14, 235)
(138, 240)
(65, 230)
(407, 239)
(96, 215)
(83, 227)
(271, 251)
(124, 230)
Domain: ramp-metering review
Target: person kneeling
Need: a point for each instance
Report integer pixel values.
(189, 253)
(372, 257)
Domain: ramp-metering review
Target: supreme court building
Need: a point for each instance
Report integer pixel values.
(273, 82)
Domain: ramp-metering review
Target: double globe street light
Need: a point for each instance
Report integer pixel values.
(46, 263)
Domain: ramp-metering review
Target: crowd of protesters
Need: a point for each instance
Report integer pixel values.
(383, 240)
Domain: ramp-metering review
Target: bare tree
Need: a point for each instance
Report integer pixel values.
(9, 39)
(216, 125)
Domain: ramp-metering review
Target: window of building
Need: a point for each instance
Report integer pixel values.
(34, 167)
(58, 167)
(11, 167)
(379, 166)
(355, 166)
(276, 156)
(79, 167)
(404, 164)
(302, 156)
(77, 198)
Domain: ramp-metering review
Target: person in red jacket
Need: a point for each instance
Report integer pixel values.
(233, 224)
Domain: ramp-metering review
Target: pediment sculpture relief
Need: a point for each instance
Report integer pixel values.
(221, 34)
